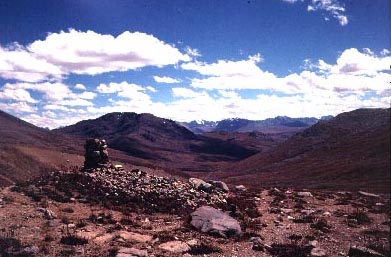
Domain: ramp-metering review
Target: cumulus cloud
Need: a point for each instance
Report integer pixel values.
(51, 92)
(353, 72)
(93, 53)
(125, 90)
(18, 107)
(18, 63)
(18, 94)
(356, 79)
(78, 52)
(231, 75)
(165, 79)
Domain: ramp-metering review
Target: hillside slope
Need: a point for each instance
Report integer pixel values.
(350, 151)
(27, 151)
(159, 142)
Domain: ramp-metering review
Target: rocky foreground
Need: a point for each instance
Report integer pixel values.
(108, 211)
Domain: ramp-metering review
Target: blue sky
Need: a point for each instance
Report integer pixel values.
(64, 61)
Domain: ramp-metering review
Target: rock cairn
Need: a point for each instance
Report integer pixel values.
(96, 154)
(104, 182)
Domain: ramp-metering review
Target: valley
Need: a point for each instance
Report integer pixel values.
(318, 189)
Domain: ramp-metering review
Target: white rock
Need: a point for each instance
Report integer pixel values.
(175, 247)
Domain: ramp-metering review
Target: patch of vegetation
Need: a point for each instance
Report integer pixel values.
(81, 223)
(380, 247)
(377, 233)
(67, 252)
(290, 250)
(321, 225)
(10, 246)
(304, 219)
(73, 239)
(360, 215)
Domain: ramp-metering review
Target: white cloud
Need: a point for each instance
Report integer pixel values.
(193, 52)
(151, 89)
(353, 72)
(385, 52)
(18, 63)
(93, 53)
(357, 78)
(165, 79)
(56, 107)
(18, 94)
(231, 75)
(333, 8)
(18, 107)
(81, 87)
(77, 52)
(183, 92)
(126, 90)
(54, 93)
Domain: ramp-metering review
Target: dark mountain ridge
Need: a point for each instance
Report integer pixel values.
(160, 141)
(350, 151)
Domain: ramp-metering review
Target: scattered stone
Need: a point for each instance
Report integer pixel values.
(240, 188)
(304, 194)
(318, 252)
(286, 211)
(219, 184)
(31, 250)
(175, 247)
(360, 251)
(313, 243)
(307, 212)
(105, 238)
(258, 245)
(49, 215)
(201, 185)
(118, 167)
(368, 194)
(135, 237)
(352, 223)
(193, 242)
(210, 220)
(131, 252)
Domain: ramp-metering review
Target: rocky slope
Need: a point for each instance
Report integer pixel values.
(50, 218)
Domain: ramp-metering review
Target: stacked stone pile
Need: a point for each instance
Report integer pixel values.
(96, 154)
(105, 182)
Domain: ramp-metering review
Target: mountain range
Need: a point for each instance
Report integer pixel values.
(279, 124)
(350, 150)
